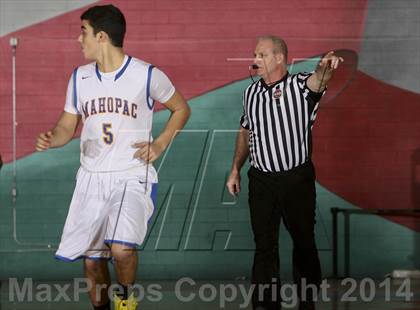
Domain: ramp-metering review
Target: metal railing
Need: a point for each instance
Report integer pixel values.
(346, 213)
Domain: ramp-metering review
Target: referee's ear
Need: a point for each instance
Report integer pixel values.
(280, 58)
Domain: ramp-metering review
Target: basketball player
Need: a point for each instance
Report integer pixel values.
(113, 197)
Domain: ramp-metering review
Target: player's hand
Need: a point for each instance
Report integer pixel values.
(148, 152)
(330, 61)
(234, 183)
(43, 141)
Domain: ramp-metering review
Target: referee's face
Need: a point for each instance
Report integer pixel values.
(88, 41)
(265, 59)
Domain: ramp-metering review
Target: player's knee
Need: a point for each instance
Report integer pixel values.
(123, 253)
(94, 267)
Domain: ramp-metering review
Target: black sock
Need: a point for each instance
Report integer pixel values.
(103, 307)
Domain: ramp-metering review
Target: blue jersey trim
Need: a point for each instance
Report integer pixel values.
(75, 89)
(97, 72)
(118, 75)
(96, 257)
(123, 69)
(130, 244)
(66, 259)
(149, 79)
(71, 260)
(153, 194)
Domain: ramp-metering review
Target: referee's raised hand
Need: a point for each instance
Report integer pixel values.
(330, 61)
(43, 141)
(324, 72)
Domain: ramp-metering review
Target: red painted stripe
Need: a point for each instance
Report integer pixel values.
(366, 146)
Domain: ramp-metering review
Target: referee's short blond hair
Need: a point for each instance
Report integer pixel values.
(280, 45)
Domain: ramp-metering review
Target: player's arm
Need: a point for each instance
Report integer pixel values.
(180, 112)
(241, 154)
(60, 135)
(324, 72)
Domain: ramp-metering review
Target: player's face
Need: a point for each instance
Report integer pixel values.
(88, 41)
(265, 58)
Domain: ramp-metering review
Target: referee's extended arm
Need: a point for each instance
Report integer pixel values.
(324, 72)
(241, 154)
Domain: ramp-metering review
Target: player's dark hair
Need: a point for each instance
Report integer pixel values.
(109, 19)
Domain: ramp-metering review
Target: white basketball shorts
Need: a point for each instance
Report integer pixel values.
(106, 208)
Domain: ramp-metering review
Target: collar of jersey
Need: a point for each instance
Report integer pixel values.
(276, 82)
(117, 73)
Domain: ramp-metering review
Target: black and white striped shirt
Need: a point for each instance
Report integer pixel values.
(279, 118)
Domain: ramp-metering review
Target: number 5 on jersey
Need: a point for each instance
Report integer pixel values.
(108, 136)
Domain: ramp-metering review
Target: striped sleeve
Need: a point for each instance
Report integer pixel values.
(302, 82)
(244, 117)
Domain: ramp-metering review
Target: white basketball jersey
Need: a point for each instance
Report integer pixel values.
(117, 111)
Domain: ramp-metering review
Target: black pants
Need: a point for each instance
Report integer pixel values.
(289, 195)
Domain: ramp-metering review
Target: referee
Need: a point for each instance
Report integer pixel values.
(279, 111)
